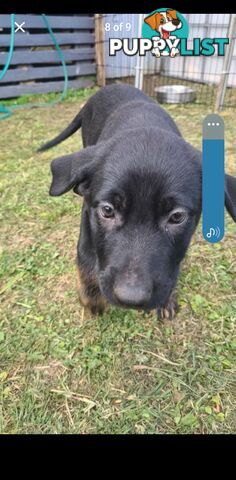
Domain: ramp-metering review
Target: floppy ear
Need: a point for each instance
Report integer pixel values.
(230, 195)
(73, 170)
(153, 20)
(172, 13)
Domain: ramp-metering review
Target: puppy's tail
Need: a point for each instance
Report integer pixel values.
(72, 127)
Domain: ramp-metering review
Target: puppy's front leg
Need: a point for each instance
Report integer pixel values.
(87, 282)
(89, 292)
(170, 310)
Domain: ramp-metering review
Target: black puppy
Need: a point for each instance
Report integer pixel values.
(141, 183)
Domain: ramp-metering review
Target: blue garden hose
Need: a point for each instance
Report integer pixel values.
(7, 111)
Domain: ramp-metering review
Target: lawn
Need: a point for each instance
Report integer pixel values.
(64, 371)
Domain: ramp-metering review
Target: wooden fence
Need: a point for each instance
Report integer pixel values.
(36, 66)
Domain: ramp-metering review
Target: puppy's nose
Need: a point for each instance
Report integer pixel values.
(175, 21)
(132, 295)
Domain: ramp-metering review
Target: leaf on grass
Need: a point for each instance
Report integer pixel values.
(198, 302)
(220, 417)
(3, 376)
(177, 420)
(216, 399)
(189, 420)
(141, 358)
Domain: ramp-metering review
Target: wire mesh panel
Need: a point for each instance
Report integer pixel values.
(201, 74)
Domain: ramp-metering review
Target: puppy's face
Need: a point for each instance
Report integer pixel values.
(164, 22)
(143, 208)
(142, 204)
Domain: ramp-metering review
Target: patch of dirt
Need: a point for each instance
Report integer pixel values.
(58, 286)
(52, 370)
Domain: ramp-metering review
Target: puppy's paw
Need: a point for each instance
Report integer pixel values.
(170, 310)
(98, 307)
(174, 52)
(95, 304)
(156, 52)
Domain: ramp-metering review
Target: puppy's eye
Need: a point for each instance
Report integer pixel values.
(162, 20)
(177, 217)
(107, 211)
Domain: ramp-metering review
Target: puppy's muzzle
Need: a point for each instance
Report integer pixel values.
(132, 294)
(176, 22)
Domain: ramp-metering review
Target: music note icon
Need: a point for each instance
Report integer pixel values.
(211, 232)
(214, 232)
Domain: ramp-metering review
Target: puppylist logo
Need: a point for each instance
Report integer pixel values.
(165, 27)
(165, 33)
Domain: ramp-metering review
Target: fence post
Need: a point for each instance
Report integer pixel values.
(99, 47)
(226, 65)
(140, 60)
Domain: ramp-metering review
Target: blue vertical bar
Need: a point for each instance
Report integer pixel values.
(213, 179)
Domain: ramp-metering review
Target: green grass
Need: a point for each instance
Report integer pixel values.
(63, 371)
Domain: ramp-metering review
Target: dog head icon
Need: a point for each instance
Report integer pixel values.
(164, 22)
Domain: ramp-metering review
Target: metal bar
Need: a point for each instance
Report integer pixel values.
(140, 60)
(226, 66)
(100, 53)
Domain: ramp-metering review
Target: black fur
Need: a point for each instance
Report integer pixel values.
(136, 160)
